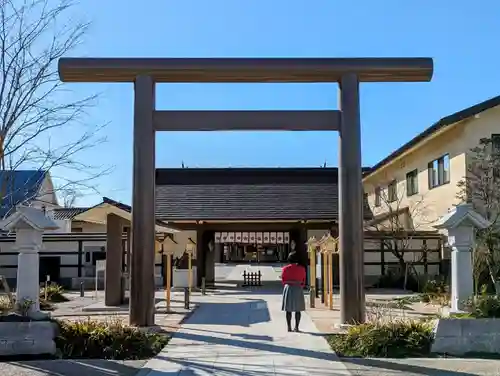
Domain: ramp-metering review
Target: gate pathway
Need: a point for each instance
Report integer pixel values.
(238, 333)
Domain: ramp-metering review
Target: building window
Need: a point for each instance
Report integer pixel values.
(378, 195)
(439, 171)
(495, 143)
(392, 191)
(412, 183)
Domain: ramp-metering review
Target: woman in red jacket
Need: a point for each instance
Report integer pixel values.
(293, 277)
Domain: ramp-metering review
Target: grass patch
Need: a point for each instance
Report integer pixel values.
(90, 339)
(397, 339)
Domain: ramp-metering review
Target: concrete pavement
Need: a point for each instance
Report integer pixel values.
(235, 333)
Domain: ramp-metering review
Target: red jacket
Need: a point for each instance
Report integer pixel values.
(294, 274)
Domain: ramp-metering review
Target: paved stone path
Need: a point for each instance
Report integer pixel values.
(244, 334)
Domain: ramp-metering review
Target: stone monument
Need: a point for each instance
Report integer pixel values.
(461, 224)
(30, 333)
(29, 225)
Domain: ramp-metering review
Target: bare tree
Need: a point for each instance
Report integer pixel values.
(42, 125)
(70, 197)
(397, 222)
(481, 188)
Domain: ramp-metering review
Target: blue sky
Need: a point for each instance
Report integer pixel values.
(462, 38)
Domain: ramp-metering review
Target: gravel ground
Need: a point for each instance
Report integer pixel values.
(71, 368)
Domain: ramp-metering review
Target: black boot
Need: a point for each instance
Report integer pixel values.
(297, 321)
(289, 321)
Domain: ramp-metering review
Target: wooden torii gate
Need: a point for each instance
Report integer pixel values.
(146, 72)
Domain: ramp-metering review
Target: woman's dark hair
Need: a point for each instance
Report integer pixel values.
(293, 258)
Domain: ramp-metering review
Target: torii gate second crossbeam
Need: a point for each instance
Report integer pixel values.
(146, 72)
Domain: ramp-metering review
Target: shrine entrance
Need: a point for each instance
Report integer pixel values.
(145, 73)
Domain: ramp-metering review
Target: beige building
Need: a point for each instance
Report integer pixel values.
(417, 183)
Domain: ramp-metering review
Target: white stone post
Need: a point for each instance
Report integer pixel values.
(29, 225)
(28, 244)
(461, 224)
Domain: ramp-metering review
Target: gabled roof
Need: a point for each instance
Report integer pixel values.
(192, 194)
(19, 187)
(108, 206)
(441, 124)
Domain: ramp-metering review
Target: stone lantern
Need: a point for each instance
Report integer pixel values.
(461, 224)
(29, 225)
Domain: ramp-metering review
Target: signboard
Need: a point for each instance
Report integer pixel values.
(100, 266)
(246, 238)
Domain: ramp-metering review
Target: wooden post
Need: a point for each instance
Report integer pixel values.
(168, 276)
(352, 293)
(330, 280)
(325, 280)
(311, 247)
(142, 269)
(190, 271)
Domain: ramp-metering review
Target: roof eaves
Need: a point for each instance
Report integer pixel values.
(442, 123)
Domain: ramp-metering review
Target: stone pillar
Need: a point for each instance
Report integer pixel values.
(142, 284)
(461, 223)
(462, 283)
(113, 277)
(28, 244)
(352, 294)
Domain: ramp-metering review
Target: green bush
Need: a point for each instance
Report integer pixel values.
(107, 340)
(396, 339)
(484, 306)
(435, 286)
(55, 293)
(7, 306)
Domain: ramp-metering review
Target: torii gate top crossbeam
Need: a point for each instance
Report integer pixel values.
(302, 70)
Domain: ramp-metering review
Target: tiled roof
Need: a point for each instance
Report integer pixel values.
(67, 213)
(18, 187)
(247, 194)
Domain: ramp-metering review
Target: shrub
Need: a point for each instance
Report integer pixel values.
(107, 340)
(55, 293)
(435, 286)
(484, 306)
(395, 339)
(7, 306)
